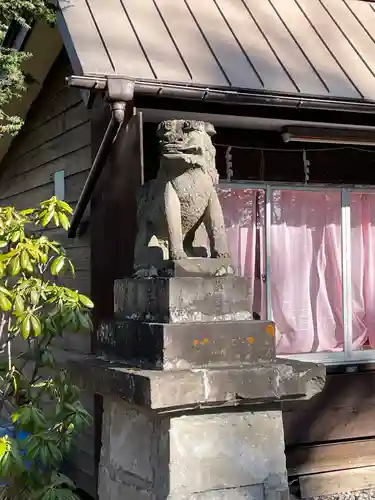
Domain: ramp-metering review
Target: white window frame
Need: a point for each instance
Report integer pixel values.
(348, 355)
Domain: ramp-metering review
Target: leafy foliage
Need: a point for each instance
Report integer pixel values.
(45, 410)
(13, 79)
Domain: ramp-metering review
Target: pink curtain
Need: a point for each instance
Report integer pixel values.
(305, 264)
(240, 215)
(305, 271)
(363, 268)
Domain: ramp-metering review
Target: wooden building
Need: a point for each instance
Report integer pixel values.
(290, 88)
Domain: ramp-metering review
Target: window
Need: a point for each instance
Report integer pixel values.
(309, 255)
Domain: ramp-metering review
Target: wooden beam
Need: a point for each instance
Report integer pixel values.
(330, 457)
(113, 222)
(329, 483)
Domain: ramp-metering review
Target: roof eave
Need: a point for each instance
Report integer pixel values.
(226, 96)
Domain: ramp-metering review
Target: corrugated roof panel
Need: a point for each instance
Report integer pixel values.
(359, 38)
(193, 48)
(124, 50)
(256, 46)
(84, 45)
(293, 60)
(156, 41)
(322, 62)
(344, 53)
(306, 47)
(364, 13)
(224, 45)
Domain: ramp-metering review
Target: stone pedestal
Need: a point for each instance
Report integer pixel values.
(192, 391)
(221, 455)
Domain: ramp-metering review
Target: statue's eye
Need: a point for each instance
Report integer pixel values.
(167, 126)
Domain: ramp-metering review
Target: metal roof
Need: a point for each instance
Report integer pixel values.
(310, 47)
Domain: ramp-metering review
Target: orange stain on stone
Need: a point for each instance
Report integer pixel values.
(270, 329)
(251, 340)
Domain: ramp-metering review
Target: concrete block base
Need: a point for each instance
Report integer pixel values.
(229, 455)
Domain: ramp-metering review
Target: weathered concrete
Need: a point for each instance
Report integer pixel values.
(224, 455)
(201, 387)
(174, 346)
(196, 267)
(183, 300)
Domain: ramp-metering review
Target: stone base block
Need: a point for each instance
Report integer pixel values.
(192, 266)
(173, 346)
(183, 300)
(227, 455)
(177, 390)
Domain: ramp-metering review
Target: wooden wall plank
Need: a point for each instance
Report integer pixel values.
(329, 457)
(31, 198)
(61, 236)
(74, 341)
(80, 256)
(337, 482)
(331, 424)
(74, 139)
(343, 410)
(50, 108)
(74, 162)
(68, 119)
(81, 282)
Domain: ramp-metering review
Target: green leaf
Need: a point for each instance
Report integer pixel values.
(4, 446)
(50, 325)
(37, 327)
(65, 206)
(64, 221)
(5, 303)
(34, 297)
(47, 359)
(26, 327)
(84, 320)
(3, 243)
(19, 305)
(72, 268)
(86, 301)
(2, 269)
(57, 265)
(15, 236)
(28, 211)
(56, 219)
(25, 260)
(60, 479)
(15, 266)
(28, 414)
(55, 453)
(47, 218)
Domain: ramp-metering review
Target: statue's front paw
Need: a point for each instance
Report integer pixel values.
(177, 255)
(220, 255)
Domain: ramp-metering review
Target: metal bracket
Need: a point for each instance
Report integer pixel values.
(119, 89)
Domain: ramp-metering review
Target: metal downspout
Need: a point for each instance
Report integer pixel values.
(120, 92)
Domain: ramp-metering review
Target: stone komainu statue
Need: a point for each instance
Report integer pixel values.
(172, 207)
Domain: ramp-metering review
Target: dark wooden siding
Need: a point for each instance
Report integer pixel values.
(57, 136)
